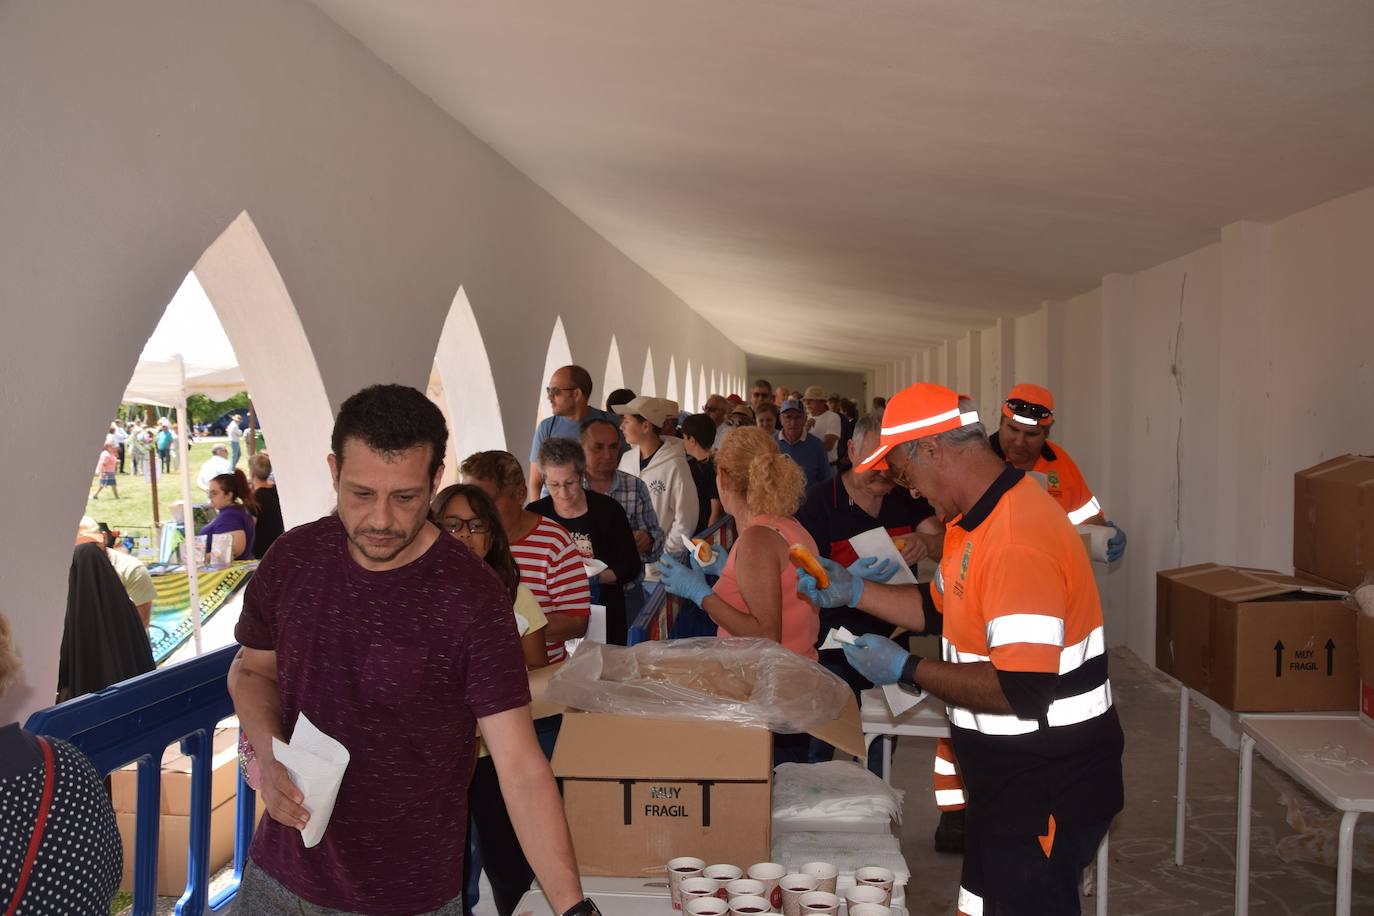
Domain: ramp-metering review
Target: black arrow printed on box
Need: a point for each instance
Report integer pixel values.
(1330, 657)
(1278, 658)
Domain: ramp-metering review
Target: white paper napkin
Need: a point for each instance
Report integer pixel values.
(1098, 536)
(899, 700)
(877, 543)
(838, 638)
(316, 763)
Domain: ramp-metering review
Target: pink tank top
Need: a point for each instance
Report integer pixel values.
(800, 622)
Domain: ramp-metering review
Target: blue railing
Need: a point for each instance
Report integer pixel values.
(134, 722)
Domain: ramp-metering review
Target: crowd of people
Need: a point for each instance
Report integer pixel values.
(442, 602)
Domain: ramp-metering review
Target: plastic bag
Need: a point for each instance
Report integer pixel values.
(731, 679)
(834, 788)
(1361, 597)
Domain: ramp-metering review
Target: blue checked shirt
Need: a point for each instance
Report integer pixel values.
(633, 497)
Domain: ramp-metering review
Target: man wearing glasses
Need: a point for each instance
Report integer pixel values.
(761, 393)
(1023, 442)
(570, 395)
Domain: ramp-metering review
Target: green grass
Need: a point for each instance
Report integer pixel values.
(134, 508)
(123, 900)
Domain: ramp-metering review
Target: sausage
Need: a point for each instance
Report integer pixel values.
(803, 560)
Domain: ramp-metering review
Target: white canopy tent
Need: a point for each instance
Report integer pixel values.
(188, 353)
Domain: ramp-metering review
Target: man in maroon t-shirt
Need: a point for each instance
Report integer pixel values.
(398, 643)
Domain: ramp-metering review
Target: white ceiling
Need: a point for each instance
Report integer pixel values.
(841, 182)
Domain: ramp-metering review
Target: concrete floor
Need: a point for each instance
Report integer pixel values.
(1292, 870)
(1289, 874)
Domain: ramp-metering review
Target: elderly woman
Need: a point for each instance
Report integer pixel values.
(549, 562)
(597, 524)
(58, 836)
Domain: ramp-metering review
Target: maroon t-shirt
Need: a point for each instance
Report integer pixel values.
(398, 666)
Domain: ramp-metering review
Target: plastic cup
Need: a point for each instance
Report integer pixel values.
(770, 873)
(870, 909)
(705, 906)
(826, 875)
(863, 893)
(749, 905)
(679, 869)
(875, 876)
(819, 903)
(722, 875)
(700, 886)
(744, 887)
(793, 886)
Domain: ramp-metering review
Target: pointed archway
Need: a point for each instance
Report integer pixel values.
(689, 396)
(614, 378)
(462, 385)
(559, 355)
(671, 391)
(647, 386)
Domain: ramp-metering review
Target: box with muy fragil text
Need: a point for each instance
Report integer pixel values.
(1333, 520)
(1255, 640)
(639, 791)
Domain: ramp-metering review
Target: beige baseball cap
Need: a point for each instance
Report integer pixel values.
(814, 393)
(655, 410)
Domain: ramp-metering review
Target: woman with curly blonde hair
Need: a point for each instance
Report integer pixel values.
(756, 594)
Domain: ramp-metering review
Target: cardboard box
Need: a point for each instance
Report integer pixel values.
(1255, 640)
(1333, 520)
(176, 777)
(173, 836)
(1365, 629)
(639, 791)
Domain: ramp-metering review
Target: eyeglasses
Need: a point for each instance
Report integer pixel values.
(456, 526)
(1035, 412)
(552, 391)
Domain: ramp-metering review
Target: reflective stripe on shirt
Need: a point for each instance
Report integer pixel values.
(1034, 628)
(1075, 656)
(1086, 511)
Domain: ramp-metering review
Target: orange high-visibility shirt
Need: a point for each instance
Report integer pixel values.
(1063, 480)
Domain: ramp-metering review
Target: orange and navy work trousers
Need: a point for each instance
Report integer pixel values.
(949, 786)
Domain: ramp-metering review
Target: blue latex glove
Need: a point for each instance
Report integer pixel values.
(873, 569)
(845, 585)
(717, 564)
(1116, 544)
(682, 580)
(877, 658)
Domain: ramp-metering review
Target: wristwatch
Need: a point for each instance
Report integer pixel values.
(585, 907)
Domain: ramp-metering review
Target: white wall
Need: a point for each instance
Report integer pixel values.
(135, 133)
(1190, 392)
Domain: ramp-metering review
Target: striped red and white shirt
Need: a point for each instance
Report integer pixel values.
(551, 567)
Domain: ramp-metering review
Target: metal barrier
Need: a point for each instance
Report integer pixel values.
(134, 722)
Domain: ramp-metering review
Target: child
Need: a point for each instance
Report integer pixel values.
(105, 467)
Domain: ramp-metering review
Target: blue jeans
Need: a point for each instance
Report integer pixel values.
(233, 454)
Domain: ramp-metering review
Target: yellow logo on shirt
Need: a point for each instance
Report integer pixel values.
(963, 564)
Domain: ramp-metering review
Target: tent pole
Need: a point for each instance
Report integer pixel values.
(187, 516)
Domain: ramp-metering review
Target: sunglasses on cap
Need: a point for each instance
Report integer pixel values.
(1028, 414)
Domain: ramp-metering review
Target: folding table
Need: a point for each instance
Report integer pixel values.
(1302, 745)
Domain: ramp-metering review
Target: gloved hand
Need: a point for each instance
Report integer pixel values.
(877, 658)
(843, 591)
(873, 569)
(717, 564)
(682, 580)
(1116, 544)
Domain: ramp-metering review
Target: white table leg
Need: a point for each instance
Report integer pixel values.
(887, 758)
(1247, 759)
(1180, 812)
(1102, 874)
(1345, 848)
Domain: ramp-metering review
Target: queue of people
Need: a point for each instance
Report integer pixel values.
(442, 602)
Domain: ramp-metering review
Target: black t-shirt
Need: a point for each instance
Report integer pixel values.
(269, 524)
(603, 532)
(704, 476)
(831, 517)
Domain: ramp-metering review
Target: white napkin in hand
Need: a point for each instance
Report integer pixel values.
(838, 638)
(316, 763)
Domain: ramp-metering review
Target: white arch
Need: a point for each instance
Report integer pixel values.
(671, 391)
(647, 386)
(702, 393)
(463, 387)
(689, 397)
(243, 284)
(615, 372)
(715, 384)
(558, 356)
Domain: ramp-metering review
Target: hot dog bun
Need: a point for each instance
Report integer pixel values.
(705, 552)
(803, 560)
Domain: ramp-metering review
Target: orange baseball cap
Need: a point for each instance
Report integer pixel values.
(915, 412)
(1029, 405)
